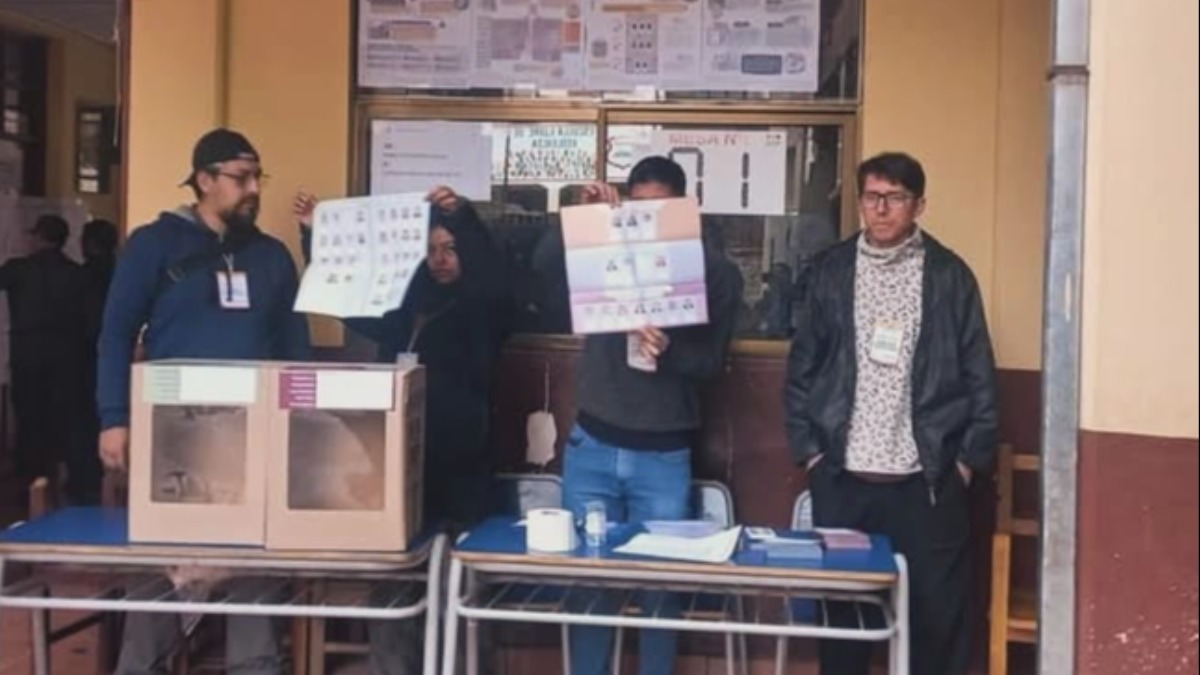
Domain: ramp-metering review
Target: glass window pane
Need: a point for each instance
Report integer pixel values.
(539, 168)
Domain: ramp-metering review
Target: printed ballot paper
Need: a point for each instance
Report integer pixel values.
(637, 264)
(365, 251)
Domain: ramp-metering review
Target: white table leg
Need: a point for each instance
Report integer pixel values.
(39, 624)
(453, 600)
(899, 653)
(433, 604)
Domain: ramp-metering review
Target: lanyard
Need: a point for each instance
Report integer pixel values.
(228, 257)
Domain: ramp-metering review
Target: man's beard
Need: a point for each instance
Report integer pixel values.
(241, 223)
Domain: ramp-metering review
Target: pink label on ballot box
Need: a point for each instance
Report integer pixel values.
(298, 390)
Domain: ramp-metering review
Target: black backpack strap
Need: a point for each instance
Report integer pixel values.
(194, 262)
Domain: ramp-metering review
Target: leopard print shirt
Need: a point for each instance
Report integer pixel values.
(887, 290)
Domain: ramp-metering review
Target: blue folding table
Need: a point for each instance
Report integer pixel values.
(96, 541)
(494, 578)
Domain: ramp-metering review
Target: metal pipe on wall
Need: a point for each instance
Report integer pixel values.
(1062, 336)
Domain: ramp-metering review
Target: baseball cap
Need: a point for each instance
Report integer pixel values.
(219, 145)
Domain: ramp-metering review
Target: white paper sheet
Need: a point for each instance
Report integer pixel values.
(730, 172)
(689, 529)
(536, 43)
(414, 43)
(717, 548)
(632, 45)
(365, 252)
(761, 45)
(416, 156)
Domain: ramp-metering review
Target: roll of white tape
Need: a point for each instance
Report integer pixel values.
(550, 531)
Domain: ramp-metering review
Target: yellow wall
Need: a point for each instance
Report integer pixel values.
(175, 80)
(80, 70)
(960, 86)
(1141, 271)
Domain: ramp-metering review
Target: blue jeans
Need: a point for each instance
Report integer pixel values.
(635, 486)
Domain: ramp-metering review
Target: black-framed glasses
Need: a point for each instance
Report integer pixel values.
(893, 200)
(243, 179)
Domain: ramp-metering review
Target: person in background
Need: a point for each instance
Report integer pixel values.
(204, 282)
(45, 292)
(891, 405)
(454, 319)
(84, 471)
(631, 445)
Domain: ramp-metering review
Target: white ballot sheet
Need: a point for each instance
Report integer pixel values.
(365, 251)
(717, 548)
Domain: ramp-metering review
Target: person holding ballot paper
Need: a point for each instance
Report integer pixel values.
(639, 414)
(453, 319)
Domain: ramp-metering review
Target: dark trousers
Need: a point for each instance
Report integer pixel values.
(43, 405)
(56, 421)
(931, 531)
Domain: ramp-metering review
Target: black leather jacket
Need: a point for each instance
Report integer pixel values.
(954, 375)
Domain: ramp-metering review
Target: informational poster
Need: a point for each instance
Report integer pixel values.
(365, 251)
(762, 45)
(631, 45)
(543, 153)
(414, 43)
(729, 172)
(418, 155)
(537, 43)
(634, 265)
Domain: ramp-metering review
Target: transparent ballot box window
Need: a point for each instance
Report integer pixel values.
(199, 454)
(336, 460)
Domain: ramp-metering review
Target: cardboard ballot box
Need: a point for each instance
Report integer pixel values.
(198, 452)
(346, 456)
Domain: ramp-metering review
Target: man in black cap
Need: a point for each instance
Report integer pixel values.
(45, 292)
(204, 282)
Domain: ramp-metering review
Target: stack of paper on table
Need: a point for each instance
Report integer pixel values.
(788, 545)
(635, 265)
(716, 548)
(692, 529)
(845, 540)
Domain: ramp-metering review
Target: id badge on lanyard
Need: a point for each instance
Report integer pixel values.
(887, 343)
(233, 288)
